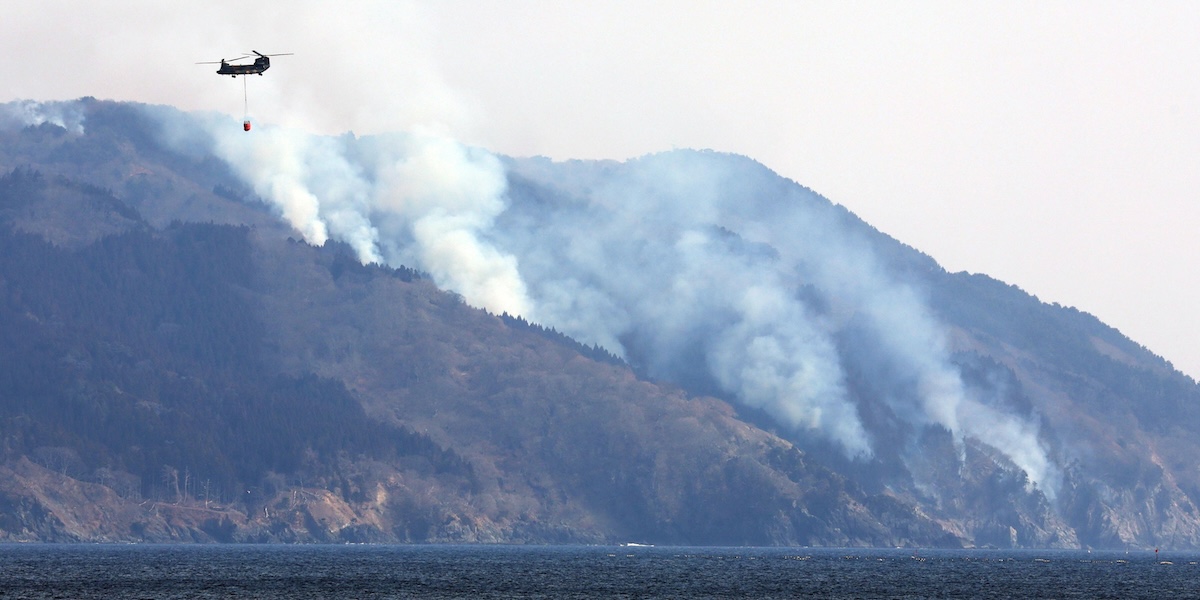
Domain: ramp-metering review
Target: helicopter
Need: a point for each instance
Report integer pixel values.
(260, 64)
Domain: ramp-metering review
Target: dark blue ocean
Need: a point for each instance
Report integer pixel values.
(476, 572)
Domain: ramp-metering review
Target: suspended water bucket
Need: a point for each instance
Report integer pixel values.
(246, 125)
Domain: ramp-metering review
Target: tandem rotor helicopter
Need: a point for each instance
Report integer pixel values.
(260, 64)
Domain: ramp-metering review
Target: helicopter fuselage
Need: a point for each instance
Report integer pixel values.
(258, 66)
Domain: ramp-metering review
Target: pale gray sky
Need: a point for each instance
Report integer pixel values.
(1053, 145)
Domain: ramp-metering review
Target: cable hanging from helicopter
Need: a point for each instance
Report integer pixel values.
(260, 64)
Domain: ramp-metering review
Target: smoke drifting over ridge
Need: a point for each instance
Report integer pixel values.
(417, 199)
(26, 113)
(689, 264)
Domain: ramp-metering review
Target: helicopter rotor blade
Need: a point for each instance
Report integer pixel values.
(223, 60)
(261, 54)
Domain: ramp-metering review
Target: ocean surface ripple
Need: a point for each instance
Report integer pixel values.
(481, 572)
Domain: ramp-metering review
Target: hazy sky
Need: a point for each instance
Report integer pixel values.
(1053, 145)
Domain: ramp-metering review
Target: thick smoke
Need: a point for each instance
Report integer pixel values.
(693, 266)
(421, 200)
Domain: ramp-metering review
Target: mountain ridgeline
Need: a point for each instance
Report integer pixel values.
(276, 337)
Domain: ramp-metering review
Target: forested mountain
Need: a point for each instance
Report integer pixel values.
(286, 337)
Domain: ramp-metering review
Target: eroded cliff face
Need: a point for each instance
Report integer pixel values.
(389, 506)
(1115, 416)
(40, 505)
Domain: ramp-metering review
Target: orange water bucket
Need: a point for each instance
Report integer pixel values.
(246, 125)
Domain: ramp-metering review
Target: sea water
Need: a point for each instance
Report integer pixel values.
(475, 572)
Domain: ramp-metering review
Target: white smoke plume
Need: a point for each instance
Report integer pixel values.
(687, 253)
(25, 113)
(421, 200)
(691, 265)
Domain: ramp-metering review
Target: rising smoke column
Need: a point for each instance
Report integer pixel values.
(680, 262)
(422, 200)
(651, 263)
(435, 201)
(685, 254)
